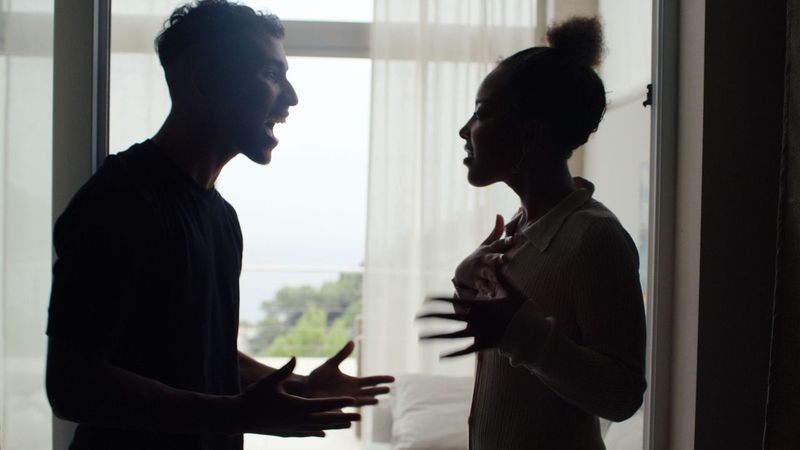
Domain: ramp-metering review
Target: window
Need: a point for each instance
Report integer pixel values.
(26, 111)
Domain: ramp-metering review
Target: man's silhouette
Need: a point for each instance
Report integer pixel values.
(145, 300)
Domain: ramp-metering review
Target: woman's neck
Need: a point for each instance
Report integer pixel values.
(541, 190)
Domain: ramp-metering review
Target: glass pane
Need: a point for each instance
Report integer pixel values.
(315, 10)
(309, 315)
(26, 110)
(308, 206)
(617, 157)
(297, 314)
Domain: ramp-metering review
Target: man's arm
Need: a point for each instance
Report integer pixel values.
(251, 371)
(84, 387)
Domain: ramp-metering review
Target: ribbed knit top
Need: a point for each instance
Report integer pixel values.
(576, 349)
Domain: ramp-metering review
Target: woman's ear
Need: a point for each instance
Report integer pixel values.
(533, 132)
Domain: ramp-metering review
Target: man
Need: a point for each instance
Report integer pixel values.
(145, 299)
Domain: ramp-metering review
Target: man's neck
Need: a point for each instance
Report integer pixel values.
(194, 148)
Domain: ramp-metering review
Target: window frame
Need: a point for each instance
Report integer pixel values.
(83, 33)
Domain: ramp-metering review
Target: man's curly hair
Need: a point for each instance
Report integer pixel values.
(206, 29)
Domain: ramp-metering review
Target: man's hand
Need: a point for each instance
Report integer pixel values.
(486, 320)
(266, 408)
(477, 273)
(327, 381)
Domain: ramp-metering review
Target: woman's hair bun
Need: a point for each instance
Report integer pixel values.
(578, 38)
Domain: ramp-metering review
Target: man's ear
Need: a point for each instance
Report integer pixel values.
(201, 85)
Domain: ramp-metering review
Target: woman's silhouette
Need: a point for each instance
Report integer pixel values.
(555, 306)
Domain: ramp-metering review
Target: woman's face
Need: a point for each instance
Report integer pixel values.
(493, 135)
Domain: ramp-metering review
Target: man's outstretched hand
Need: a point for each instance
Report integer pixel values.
(328, 381)
(266, 408)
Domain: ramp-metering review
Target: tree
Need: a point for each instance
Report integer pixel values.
(339, 302)
(310, 336)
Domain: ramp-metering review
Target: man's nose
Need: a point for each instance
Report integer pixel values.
(290, 94)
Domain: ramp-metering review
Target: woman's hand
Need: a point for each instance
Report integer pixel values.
(477, 274)
(266, 408)
(486, 320)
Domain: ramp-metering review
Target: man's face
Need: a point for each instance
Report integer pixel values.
(255, 96)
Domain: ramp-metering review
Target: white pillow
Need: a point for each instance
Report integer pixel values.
(429, 412)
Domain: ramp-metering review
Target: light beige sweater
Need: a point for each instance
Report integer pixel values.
(576, 348)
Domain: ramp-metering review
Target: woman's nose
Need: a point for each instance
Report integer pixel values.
(464, 131)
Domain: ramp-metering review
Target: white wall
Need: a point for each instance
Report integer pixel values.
(616, 157)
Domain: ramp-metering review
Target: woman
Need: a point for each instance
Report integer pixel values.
(556, 306)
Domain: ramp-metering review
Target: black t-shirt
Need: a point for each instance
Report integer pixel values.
(148, 274)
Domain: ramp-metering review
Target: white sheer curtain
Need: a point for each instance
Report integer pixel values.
(26, 79)
(429, 56)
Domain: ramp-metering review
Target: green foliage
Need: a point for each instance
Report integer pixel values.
(304, 321)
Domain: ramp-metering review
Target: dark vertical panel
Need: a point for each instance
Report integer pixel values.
(783, 408)
(742, 134)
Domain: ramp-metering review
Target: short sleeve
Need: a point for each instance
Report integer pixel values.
(99, 241)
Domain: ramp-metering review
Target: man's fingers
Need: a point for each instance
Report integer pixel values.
(374, 391)
(319, 405)
(327, 419)
(472, 348)
(343, 354)
(466, 332)
(338, 426)
(448, 316)
(366, 401)
(283, 373)
(497, 231)
(376, 379)
(295, 433)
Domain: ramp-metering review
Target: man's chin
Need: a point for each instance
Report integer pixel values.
(261, 155)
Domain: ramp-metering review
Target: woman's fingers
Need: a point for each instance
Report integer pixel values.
(471, 349)
(447, 316)
(499, 245)
(497, 231)
(492, 260)
(466, 332)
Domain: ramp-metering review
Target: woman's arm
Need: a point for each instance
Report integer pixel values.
(604, 374)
